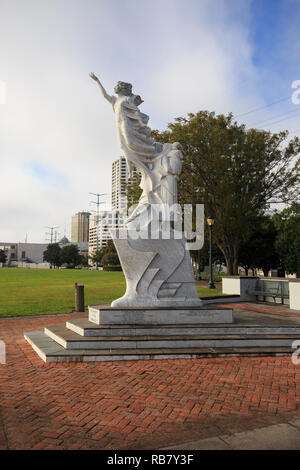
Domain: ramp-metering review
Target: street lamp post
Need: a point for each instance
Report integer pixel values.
(210, 222)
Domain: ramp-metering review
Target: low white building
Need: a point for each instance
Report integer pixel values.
(23, 252)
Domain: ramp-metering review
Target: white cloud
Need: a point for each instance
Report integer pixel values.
(181, 55)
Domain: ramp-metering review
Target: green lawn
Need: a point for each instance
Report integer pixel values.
(46, 291)
(208, 292)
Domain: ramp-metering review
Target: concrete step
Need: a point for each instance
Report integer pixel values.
(86, 328)
(50, 351)
(71, 340)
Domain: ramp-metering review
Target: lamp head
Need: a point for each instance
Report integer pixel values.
(210, 221)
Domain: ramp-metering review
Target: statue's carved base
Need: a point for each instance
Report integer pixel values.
(158, 274)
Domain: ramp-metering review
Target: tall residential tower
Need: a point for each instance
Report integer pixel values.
(118, 181)
(80, 227)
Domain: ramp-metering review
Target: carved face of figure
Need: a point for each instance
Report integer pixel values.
(123, 88)
(138, 100)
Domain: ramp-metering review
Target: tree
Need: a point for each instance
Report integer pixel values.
(287, 243)
(110, 259)
(98, 255)
(2, 256)
(84, 260)
(133, 190)
(52, 254)
(259, 251)
(236, 173)
(109, 248)
(217, 255)
(70, 256)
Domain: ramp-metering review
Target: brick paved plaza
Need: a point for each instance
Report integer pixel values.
(135, 404)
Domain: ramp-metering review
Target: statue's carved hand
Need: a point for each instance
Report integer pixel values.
(93, 76)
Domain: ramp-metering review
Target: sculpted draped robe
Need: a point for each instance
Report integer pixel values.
(150, 157)
(133, 132)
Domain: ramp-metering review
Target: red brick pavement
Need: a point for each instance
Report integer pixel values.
(135, 404)
(259, 308)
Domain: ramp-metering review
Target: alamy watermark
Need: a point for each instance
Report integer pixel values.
(159, 222)
(296, 94)
(2, 352)
(3, 92)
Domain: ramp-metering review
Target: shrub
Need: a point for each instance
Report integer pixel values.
(112, 268)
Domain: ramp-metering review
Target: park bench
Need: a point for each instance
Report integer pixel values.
(274, 289)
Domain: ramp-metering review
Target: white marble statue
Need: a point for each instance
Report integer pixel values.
(159, 164)
(158, 271)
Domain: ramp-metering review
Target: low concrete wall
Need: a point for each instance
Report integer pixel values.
(247, 283)
(22, 264)
(236, 285)
(294, 287)
(239, 286)
(231, 285)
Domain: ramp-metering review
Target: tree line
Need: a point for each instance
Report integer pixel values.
(67, 255)
(70, 256)
(240, 175)
(2, 256)
(274, 244)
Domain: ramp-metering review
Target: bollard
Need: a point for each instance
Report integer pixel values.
(79, 298)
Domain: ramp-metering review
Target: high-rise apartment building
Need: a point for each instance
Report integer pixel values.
(99, 236)
(118, 184)
(119, 180)
(80, 227)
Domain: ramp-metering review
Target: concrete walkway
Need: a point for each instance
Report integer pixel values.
(276, 437)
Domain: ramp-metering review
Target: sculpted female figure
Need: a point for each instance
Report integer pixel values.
(133, 132)
(140, 149)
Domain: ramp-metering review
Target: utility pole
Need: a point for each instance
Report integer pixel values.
(51, 234)
(97, 202)
(56, 236)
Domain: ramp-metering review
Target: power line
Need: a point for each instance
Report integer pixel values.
(51, 234)
(295, 131)
(263, 107)
(97, 203)
(56, 236)
(293, 111)
(280, 120)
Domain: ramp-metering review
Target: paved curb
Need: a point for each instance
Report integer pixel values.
(276, 437)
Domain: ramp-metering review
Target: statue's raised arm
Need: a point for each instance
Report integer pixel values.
(109, 98)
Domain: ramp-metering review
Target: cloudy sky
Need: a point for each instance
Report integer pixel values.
(57, 133)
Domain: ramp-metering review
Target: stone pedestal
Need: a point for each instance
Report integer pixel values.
(160, 315)
(158, 273)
